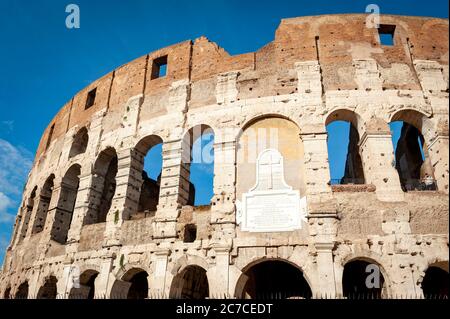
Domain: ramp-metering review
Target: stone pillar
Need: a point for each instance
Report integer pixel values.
(325, 270)
(103, 282)
(33, 284)
(157, 282)
(218, 276)
(438, 151)
(367, 76)
(50, 219)
(174, 190)
(223, 217)
(18, 226)
(322, 216)
(38, 206)
(226, 91)
(317, 169)
(430, 74)
(81, 209)
(126, 198)
(377, 155)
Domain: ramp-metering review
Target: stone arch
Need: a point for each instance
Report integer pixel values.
(269, 131)
(353, 166)
(66, 204)
(347, 115)
(86, 289)
(435, 278)
(103, 186)
(249, 122)
(188, 157)
(7, 293)
(369, 257)
(412, 159)
(149, 188)
(287, 280)
(49, 289)
(191, 282)
(416, 118)
(29, 206)
(22, 291)
(132, 283)
(188, 260)
(45, 197)
(80, 142)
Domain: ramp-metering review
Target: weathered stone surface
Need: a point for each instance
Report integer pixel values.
(316, 71)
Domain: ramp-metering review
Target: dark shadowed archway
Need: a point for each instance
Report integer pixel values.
(362, 280)
(86, 288)
(104, 181)
(22, 291)
(48, 290)
(190, 283)
(435, 282)
(133, 285)
(273, 279)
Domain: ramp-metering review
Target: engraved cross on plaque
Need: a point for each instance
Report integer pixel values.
(269, 162)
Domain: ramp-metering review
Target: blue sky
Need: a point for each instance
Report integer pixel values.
(45, 64)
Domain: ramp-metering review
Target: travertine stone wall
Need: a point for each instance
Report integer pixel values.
(317, 70)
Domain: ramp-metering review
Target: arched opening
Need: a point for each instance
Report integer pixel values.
(103, 187)
(149, 152)
(273, 279)
(80, 143)
(7, 293)
(362, 280)
(48, 290)
(44, 202)
(86, 289)
(133, 285)
(27, 215)
(197, 167)
(411, 152)
(435, 282)
(343, 148)
(22, 291)
(191, 283)
(66, 204)
(280, 137)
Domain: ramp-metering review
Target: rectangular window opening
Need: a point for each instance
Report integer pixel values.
(159, 67)
(90, 100)
(386, 33)
(190, 233)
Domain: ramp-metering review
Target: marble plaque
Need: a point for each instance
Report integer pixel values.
(271, 205)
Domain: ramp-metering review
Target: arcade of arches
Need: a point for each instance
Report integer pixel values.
(264, 279)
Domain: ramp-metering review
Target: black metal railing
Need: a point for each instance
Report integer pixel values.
(283, 295)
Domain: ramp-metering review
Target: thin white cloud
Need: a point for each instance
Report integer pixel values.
(7, 126)
(4, 242)
(5, 204)
(15, 163)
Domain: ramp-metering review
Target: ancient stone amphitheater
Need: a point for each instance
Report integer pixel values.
(92, 224)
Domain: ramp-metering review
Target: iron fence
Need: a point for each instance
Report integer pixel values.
(274, 296)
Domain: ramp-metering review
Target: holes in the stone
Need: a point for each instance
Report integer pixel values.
(386, 34)
(159, 67)
(90, 100)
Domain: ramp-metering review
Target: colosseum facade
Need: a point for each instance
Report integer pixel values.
(274, 225)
